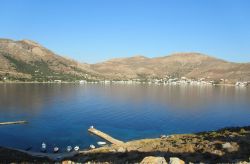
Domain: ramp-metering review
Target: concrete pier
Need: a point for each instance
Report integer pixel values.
(105, 136)
(14, 122)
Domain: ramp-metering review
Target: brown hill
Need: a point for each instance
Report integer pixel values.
(191, 65)
(27, 60)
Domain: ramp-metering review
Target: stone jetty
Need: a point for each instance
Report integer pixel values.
(14, 122)
(105, 136)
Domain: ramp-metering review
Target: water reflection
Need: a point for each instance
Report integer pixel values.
(60, 113)
(34, 97)
(191, 97)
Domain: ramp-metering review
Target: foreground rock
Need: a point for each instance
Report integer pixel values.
(14, 156)
(151, 159)
(230, 145)
(175, 160)
(222, 146)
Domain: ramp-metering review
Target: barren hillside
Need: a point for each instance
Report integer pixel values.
(192, 65)
(27, 60)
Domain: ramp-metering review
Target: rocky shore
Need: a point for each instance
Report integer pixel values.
(229, 145)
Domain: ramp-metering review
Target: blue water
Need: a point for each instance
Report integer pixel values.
(60, 114)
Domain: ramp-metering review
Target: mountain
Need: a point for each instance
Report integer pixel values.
(190, 65)
(29, 61)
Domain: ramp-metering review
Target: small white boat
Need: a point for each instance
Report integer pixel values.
(44, 146)
(91, 146)
(56, 149)
(69, 148)
(91, 127)
(76, 148)
(100, 143)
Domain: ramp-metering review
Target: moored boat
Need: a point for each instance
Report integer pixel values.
(69, 148)
(76, 148)
(101, 143)
(92, 146)
(56, 149)
(44, 147)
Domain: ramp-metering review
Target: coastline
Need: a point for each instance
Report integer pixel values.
(34, 82)
(223, 145)
(77, 82)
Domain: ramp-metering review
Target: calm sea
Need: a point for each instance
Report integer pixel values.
(60, 114)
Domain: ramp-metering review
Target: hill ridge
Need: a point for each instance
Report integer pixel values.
(28, 60)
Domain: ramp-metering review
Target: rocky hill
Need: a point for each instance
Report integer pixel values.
(28, 61)
(191, 65)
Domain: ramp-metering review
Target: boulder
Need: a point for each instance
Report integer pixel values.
(217, 152)
(121, 150)
(68, 162)
(155, 160)
(175, 160)
(243, 162)
(226, 145)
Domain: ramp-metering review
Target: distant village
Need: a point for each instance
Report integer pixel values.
(170, 81)
(167, 80)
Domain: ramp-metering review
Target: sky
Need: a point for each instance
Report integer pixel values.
(96, 30)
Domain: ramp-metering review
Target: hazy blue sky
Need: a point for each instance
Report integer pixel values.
(96, 30)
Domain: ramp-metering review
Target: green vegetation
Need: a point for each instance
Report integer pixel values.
(20, 65)
(40, 71)
(143, 77)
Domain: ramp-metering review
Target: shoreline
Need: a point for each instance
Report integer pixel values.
(224, 145)
(76, 82)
